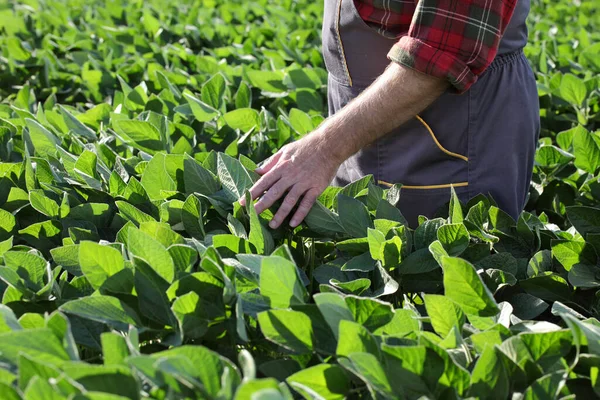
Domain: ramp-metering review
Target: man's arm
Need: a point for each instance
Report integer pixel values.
(305, 168)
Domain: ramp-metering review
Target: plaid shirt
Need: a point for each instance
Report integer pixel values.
(451, 39)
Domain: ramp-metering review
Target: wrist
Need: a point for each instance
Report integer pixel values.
(331, 146)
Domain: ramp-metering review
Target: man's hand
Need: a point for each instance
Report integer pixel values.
(303, 169)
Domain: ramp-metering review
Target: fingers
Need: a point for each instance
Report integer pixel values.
(273, 194)
(268, 164)
(262, 185)
(304, 208)
(288, 204)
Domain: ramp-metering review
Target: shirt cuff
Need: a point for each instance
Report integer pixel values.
(422, 57)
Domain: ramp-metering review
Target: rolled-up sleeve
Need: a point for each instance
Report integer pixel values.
(454, 39)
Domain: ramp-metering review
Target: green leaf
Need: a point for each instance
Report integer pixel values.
(191, 216)
(155, 178)
(527, 307)
(9, 392)
(546, 387)
(586, 150)
(110, 379)
(356, 286)
(552, 156)
(354, 216)
(210, 305)
(490, 378)
(546, 348)
(300, 121)
(259, 235)
(584, 276)
(39, 388)
(40, 344)
(371, 313)
(140, 134)
(454, 237)
(105, 309)
(131, 213)
(570, 253)
(290, 329)
(98, 262)
(17, 52)
(153, 252)
(281, 283)
(256, 387)
(192, 321)
(417, 369)
(334, 310)
(405, 323)
(151, 291)
(548, 286)
(44, 142)
(573, 89)
(369, 370)
(97, 213)
(43, 204)
(585, 219)
(590, 332)
(244, 119)
(202, 111)
(390, 253)
(233, 176)
(361, 263)
(355, 339)
(267, 81)
(455, 213)
(42, 235)
(322, 220)
(426, 233)
(13, 280)
(77, 126)
(325, 380)
(7, 224)
(243, 96)
(444, 314)
(162, 233)
(463, 286)
(8, 320)
(213, 91)
(230, 245)
(539, 263)
(198, 179)
(33, 269)
(30, 368)
(114, 349)
(375, 239)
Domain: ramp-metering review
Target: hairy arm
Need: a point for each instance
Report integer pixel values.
(394, 98)
(303, 169)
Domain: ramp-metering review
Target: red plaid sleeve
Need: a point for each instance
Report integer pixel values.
(453, 39)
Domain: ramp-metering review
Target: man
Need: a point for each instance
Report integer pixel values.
(429, 94)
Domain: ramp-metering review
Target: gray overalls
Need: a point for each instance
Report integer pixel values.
(481, 141)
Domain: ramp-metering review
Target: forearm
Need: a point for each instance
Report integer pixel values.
(394, 98)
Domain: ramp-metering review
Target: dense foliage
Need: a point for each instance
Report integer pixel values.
(128, 270)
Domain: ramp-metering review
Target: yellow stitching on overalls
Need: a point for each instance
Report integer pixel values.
(337, 30)
(426, 187)
(438, 144)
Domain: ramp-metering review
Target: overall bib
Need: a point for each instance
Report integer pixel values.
(481, 141)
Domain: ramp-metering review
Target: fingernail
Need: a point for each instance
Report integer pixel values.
(294, 223)
(273, 224)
